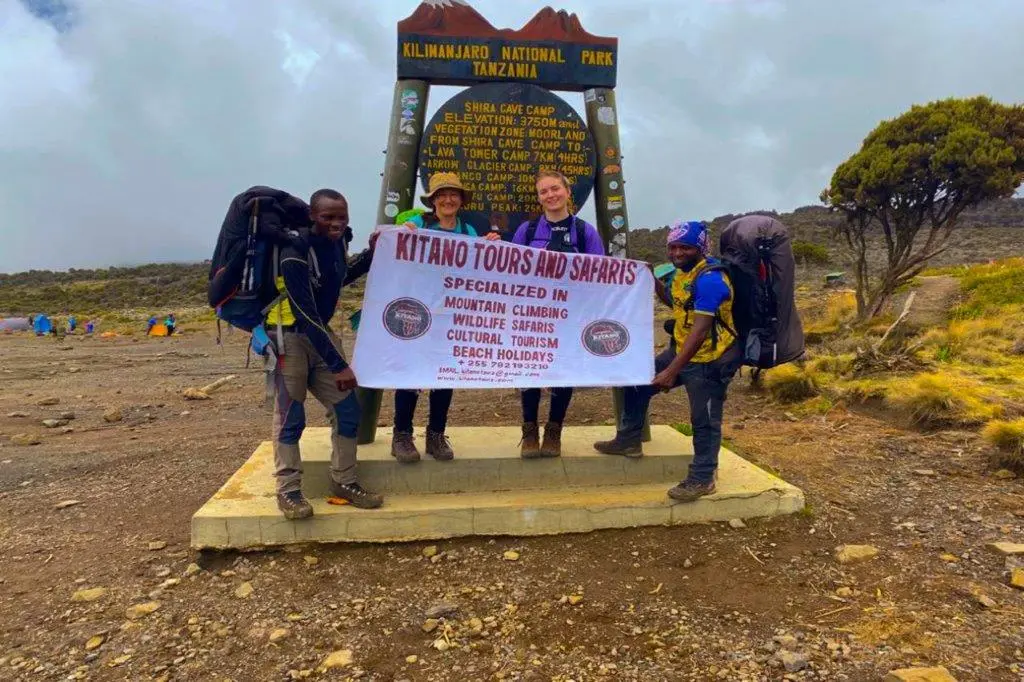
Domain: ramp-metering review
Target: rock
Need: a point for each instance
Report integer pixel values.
(687, 564)
(279, 634)
(575, 599)
(91, 594)
(737, 523)
(430, 551)
(25, 439)
(67, 415)
(476, 626)
(170, 582)
(66, 503)
(925, 472)
(985, 601)
(1006, 548)
(511, 555)
(48, 401)
(120, 660)
(429, 625)
(1004, 475)
(792, 662)
(441, 644)
(17, 415)
(191, 570)
(787, 642)
(311, 560)
(244, 590)
(939, 674)
(54, 423)
(949, 558)
(412, 659)
(337, 659)
(442, 609)
(156, 545)
(848, 554)
(113, 415)
(1017, 578)
(95, 642)
(74, 370)
(141, 610)
(844, 592)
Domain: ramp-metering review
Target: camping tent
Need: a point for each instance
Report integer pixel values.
(14, 324)
(42, 325)
(159, 329)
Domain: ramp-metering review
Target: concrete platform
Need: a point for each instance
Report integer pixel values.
(487, 490)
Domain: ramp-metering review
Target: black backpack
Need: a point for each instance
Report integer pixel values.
(243, 271)
(758, 254)
(579, 229)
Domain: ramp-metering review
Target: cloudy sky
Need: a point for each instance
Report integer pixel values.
(127, 125)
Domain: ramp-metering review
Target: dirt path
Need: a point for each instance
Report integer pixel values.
(935, 298)
(700, 602)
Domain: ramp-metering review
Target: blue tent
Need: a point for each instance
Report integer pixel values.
(42, 325)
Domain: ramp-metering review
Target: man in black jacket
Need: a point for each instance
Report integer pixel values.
(313, 272)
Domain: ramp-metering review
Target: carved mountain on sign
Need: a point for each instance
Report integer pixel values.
(559, 25)
(456, 18)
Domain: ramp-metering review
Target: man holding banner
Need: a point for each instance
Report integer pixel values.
(703, 357)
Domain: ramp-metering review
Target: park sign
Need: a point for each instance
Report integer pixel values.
(508, 125)
(447, 42)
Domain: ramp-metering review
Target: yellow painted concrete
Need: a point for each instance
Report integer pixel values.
(244, 513)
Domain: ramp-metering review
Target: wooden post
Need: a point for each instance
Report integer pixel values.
(397, 194)
(610, 190)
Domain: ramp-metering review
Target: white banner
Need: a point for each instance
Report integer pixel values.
(447, 311)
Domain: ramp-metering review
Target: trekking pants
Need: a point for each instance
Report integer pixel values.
(298, 369)
(706, 384)
(405, 409)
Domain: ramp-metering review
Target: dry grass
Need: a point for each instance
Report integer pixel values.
(1008, 438)
(941, 399)
(790, 383)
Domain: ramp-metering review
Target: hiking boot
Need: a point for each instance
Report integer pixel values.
(529, 447)
(690, 491)
(620, 446)
(357, 495)
(552, 445)
(294, 505)
(403, 448)
(439, 447)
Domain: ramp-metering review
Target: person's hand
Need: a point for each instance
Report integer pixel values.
(373, 239)
(410, 224)
(492, 237)
(665, 380)
(345, 380)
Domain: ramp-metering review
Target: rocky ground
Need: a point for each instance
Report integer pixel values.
(97, 580)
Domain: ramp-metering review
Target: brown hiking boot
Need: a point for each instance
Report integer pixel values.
(552, 445)
(530, 445)
(294, 505)
(439, 447)
(357, 495)
(690, 491)
(621, 447)
(403, 448)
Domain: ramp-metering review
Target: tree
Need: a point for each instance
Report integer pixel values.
(913, 177)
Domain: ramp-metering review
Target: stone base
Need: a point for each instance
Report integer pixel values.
(487, 490)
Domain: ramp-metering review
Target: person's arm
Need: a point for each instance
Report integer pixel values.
(358, 266)
(520, 236)
(594, 245)
(299, 289)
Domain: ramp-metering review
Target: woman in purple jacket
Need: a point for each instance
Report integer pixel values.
(557, 229)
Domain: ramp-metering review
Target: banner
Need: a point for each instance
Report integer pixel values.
(448, 311)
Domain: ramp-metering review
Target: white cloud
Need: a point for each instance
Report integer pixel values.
(122, 139)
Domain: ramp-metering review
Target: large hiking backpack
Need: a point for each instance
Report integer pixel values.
(759, 255)
(243, 271)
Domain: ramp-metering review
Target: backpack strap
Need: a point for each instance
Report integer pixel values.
(580, 228)
(531, 230)
(718, 320)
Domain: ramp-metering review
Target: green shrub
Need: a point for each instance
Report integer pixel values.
(809, 253)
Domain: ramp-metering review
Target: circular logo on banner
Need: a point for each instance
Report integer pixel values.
(605, 338)
(406, 319)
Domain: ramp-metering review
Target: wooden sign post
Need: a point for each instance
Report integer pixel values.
(506, 126)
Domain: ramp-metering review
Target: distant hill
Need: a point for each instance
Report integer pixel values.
(994, 230)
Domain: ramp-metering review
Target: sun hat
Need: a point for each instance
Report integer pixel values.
(440, 181)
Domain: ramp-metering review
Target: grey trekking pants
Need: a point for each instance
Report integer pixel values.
(299, 369)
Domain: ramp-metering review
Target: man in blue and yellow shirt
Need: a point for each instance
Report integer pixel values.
(703, 357)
